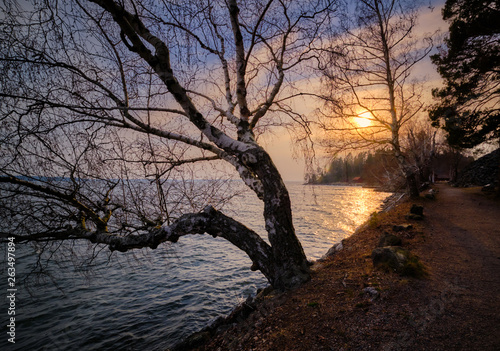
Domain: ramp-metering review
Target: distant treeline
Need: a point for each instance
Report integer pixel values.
(364, 167)
(379, 168)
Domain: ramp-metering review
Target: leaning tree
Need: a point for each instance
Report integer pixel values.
(371, 93)
(103, 100)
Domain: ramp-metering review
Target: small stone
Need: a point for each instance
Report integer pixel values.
(414, 217)
(332, 251)
(388, 239)
(488, 188)
(424, 186)
(417, 210)
(374, 293)
(391, 257)
(401, 227)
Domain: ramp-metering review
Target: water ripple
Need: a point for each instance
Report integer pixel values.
(156, 303)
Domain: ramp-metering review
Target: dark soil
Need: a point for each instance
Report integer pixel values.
(455, 307)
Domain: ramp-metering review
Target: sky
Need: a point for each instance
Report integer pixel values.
(281, 147)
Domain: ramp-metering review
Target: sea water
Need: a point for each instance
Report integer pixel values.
(152, 299)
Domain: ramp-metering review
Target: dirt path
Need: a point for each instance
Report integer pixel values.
(463, 252)
(457, 307)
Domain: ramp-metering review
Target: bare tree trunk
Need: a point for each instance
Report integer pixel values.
(412, 184)
(411, 181)
(290, 264)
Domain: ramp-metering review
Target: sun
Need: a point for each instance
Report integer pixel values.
(364, 119)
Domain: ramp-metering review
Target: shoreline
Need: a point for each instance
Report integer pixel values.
(266, 299)
(379, 187)
(350, 304)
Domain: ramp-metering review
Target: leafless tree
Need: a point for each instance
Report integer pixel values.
(108, 105)
(420, 147)
(368, 75)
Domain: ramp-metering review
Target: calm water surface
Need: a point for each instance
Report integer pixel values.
(150, 300)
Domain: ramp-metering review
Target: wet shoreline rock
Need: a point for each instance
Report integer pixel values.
(332, 251)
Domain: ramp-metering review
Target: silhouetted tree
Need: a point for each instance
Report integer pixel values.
(96, 94)
(421, 148)
(368, 74)
(468, 106)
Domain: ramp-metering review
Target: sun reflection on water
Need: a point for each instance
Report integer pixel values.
(179, 292)
(324, 214)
